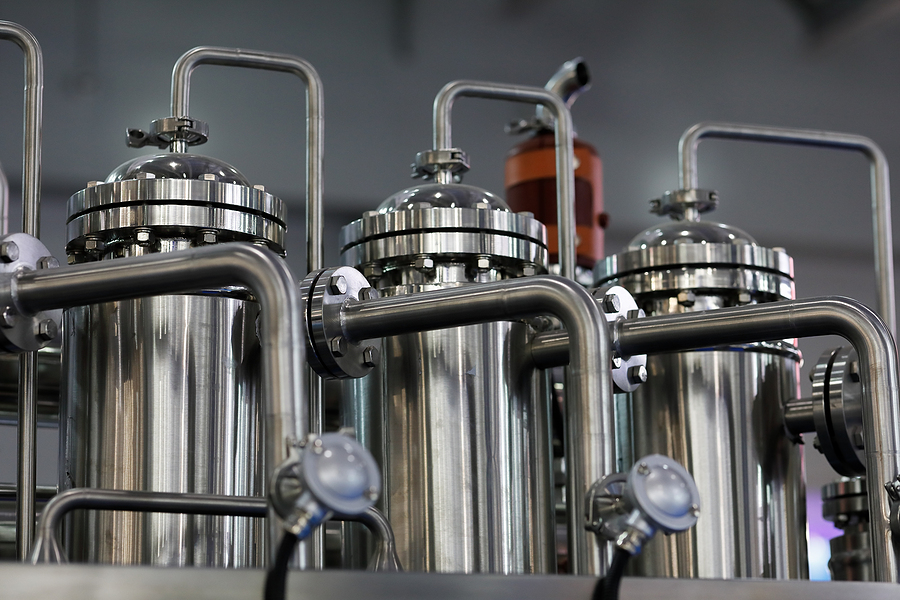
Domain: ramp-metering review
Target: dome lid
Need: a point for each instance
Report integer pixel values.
(174, 165)
(690, 232)
(442, 195)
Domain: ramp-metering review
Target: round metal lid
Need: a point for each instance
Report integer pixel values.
(442, 195)
(173, 165)
(692, 244)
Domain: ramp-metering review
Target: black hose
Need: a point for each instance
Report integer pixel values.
(608, 587)
(276, 578)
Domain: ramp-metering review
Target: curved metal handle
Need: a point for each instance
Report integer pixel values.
(881, 186)
(48, 550)
(315, 144)
(565, 156)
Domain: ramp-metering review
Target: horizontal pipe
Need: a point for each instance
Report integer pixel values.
(880, 184)
(565, 153)
(590, 445)
(208, 267)
(47, 549)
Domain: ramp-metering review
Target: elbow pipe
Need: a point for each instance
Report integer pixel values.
(804, 318)
(565, 157)
(268, 277)
(47, 548)
(590, 445)
(315, 144)
(31, 224)
(568, 83)
(880, 184)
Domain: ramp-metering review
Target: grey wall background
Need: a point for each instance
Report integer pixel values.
(657, 66)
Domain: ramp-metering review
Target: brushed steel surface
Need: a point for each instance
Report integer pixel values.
(719, 413)
(462, 436)
(162, 395)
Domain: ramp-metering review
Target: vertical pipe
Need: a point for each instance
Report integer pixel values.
(880, 184)
(565, 155)
(31, 193)
(4, 202)
(315, 150)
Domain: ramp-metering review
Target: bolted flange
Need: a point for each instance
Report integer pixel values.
(331, 354)
(617, 303)
(20, 331)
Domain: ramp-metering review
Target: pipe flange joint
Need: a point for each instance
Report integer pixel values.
(325, 292)
(676, 203)
(163, 132)
(329, 474)
(448, 160)
(22, 330)
(616, 303)
(837, 410)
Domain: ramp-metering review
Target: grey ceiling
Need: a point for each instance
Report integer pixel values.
(657, 67)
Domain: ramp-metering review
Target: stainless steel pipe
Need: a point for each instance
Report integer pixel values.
(31, 208)
(590, 443)
(269, 278)
(778, 320)
(47, 549)
(315, 121)
(565, 154)
(880, 178)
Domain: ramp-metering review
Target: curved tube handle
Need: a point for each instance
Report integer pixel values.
(565, 156)
(880, 178)
(315, 144)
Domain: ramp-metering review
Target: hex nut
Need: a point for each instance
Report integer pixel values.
(686, 298)
(46, 330)
(635, 314)
(143, 237)
(47, 262)
(637, 374)
(338, 346)
(8, 317)
(259, 187)
(528, 271)
(616, 361)
(93, 245)
(209, 177)
(370, 356)
(744, 297)
(611, 303)
(367, 293)
(853, 371)
(91, 184)
(337, 285)
(208, 236)
(9, 252)
(145, 176)
(424, 263)
(372, 271)
(483, 263)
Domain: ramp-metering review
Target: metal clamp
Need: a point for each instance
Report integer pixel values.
(163, 132)
(429, 163)
(657, 495)
(20, 329)
(837, 411)
(327, 474)
(628, 372)
(330, 354)
(685, 205)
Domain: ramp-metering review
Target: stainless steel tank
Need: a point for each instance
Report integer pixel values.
(162, 393)
(459, 428)
(718, 411)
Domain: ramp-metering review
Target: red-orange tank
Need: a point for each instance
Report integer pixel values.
(531, 186)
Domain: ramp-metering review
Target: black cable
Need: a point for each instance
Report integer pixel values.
(276, 577)
(607, 588)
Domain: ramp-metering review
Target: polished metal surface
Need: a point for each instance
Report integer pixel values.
(78, 582)
(284, 406)
(719, 413)
(845, 504)
(589, 415)
(48, 380)
(31, 224)
(162, 394)
(565, 170)
(463, 443)
(878, 369)
(880, 183)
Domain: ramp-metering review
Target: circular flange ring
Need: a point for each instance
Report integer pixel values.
(330, 354)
